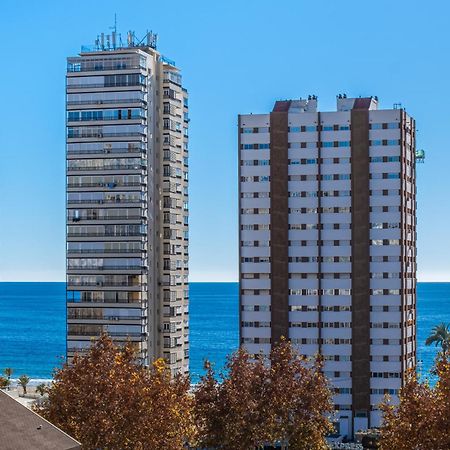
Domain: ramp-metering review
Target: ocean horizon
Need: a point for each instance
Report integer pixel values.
(33, 324)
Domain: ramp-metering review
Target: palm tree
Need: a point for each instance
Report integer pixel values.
(8, 373)
(23, 380)
(440, 335)
(41, 388)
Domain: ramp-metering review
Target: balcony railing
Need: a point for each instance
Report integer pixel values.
(102, 85)
(79, 219)
(107, 151)
(106, 102)
(110, 333)
(141, 303)
(106, 185)
(103, 234)
(105, 135)
(93, 317)
(106, 268)
(111, 167)
(92, 66)
(107, 284)
(106, 201)
(106, 250)
(112, 119)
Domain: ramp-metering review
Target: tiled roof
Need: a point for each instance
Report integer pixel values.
(22, 429)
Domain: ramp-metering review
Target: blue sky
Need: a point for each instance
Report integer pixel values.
(236, 57)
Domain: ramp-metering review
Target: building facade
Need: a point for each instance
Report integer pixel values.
(127, 200)
(328, 244)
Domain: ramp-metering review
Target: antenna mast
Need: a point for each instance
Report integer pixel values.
(114, 32)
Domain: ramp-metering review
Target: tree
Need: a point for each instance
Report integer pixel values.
(299, 400)
(280, 399)
(8, 372)
(106, 400)
(227, 412)
(421, 421)
(23, 380)
(440, 336)
(4, 382)
(41, 389)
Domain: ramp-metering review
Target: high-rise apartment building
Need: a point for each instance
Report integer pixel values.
(127, 200)
(328, 244)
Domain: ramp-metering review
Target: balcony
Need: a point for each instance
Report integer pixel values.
(107, 185)
(107, 102)
(99, 332)
(107, 284)
(106, 201)
(103, 85)
(106, 250)
(79, 219)
(106, 119)
(107, 151)
(100, 135)
(109, 167)
(107, 234)
(73, 316)
(106, 268)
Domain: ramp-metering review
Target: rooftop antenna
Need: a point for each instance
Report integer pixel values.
(130, 38)
(114, 32)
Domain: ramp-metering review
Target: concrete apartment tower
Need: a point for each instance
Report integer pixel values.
(127, 200)
(328, 244)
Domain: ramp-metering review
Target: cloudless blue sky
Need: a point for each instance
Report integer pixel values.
(236, 57)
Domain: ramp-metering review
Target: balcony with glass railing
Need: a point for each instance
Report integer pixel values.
(110, 281)
(128, 101)
(106, 150)
(103, 134)
(113, 217)
(104, 250)
(105, 201)
(103, 164)
(95, 64)
(107, 185)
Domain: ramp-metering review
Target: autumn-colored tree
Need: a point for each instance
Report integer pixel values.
(283, 398)
(227, 407)
(299, 400)
(106, 400)
(421, 421)
(4, 382)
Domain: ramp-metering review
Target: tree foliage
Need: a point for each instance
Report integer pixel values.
(421, 421)
(23, 380)
(106, 400)
(8, 371)
(285, 399)
(4, 382)
(41, 389)
(440, 335)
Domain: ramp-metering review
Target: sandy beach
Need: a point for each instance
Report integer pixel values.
(16, 391)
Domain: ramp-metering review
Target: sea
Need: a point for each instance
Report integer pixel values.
(32, 325)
